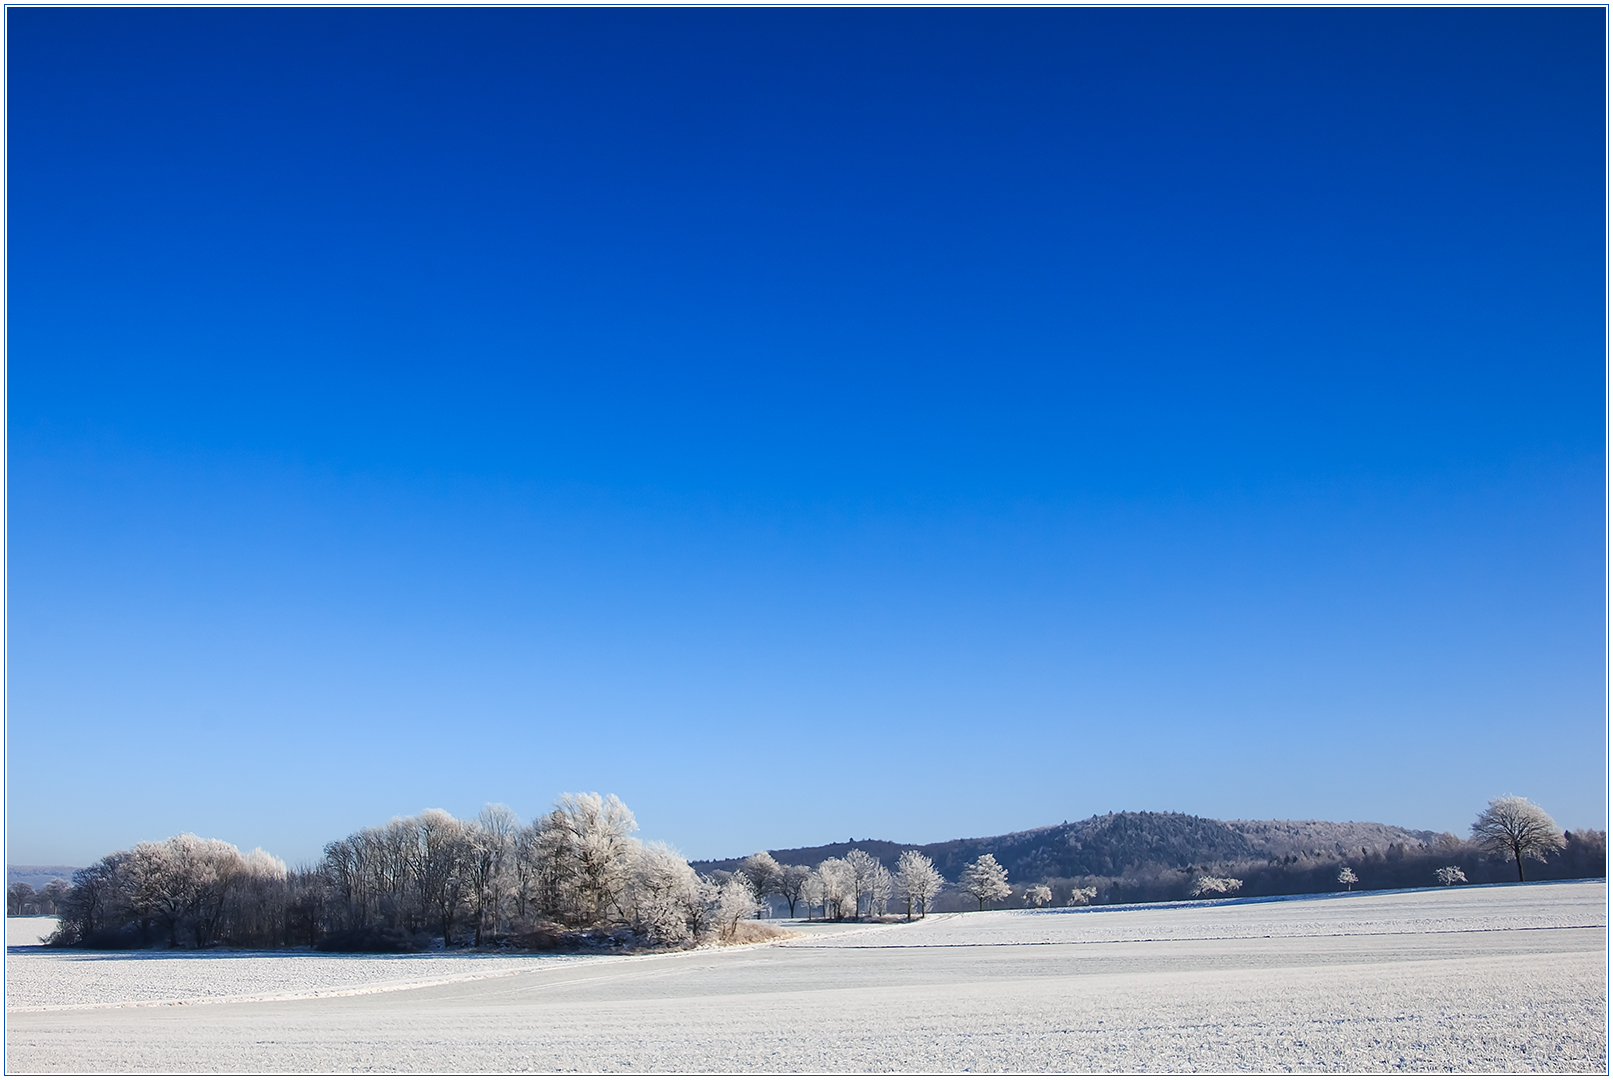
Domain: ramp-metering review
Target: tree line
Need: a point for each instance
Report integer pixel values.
(575, 876)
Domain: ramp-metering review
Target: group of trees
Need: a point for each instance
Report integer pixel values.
(398, 885)
(22, 899)
(847, 887)
(183, 888)
(1509, 835)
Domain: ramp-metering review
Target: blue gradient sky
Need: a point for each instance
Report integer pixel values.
(802, 423)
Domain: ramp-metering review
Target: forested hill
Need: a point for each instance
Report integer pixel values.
(1114, 845)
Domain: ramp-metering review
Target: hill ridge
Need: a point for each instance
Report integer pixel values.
(1129, 841)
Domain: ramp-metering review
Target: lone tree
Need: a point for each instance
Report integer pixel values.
(1512, 825)
(1449, 875)
(1038, 896)
(1347, 878)
(985, 879)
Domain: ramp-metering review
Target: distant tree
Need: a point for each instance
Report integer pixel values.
(881, 887)
(53, 894)
(839, 888)
(791, 885)
(917, 881)
(1512, 825)
(1081, 896)
(1205, 884)
(985, 880)
(763, 873)
(815, 892)
(862, 867)
(1449, 875)
(1038, 896)
(19, 899)
(1347, 878)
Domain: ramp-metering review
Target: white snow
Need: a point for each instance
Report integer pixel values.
(1476, 979)
(30, 929)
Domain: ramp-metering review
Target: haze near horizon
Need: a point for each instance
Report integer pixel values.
(801, 423)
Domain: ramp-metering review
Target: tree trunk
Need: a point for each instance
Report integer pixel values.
(1518, 855)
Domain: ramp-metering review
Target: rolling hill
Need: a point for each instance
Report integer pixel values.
(1127, 843)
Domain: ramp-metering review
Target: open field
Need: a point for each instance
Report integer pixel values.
(1477, 979)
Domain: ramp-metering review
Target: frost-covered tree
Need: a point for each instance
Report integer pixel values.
(442, 855)
(792, 881)
(1038, 896)
(492, 843)
(662, 888)
(734, 901)
(763, 873)
(1080, 897)
(1347, 878)
(584, 854)
(862, 867)
(839, 889)
(985, 880)
(1512, 825)
(881, 886)
(815, 893)
(917, 881)
(1449, 875)
(1206, 884)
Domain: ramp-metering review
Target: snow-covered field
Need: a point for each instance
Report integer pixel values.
(1476, 979)
(30, 930)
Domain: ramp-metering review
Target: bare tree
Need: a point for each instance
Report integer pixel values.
(19, 899)
(917, 881)
(489, 840)
(1512, 825)
(1449, 875)
(791, 885)
(1347, 878)
(985, 880)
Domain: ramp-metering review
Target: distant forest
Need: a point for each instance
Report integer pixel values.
(1137, 857)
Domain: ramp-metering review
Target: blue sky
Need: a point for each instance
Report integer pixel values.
(802, 423)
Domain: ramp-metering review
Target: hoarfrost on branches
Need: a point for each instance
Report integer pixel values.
(1512, 825)
(917, 881)
(985, 880)
(1205, 884)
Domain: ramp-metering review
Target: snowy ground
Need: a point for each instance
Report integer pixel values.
(1476, 979)
(30, 930)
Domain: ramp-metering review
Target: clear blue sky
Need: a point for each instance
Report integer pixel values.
(802, 423)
